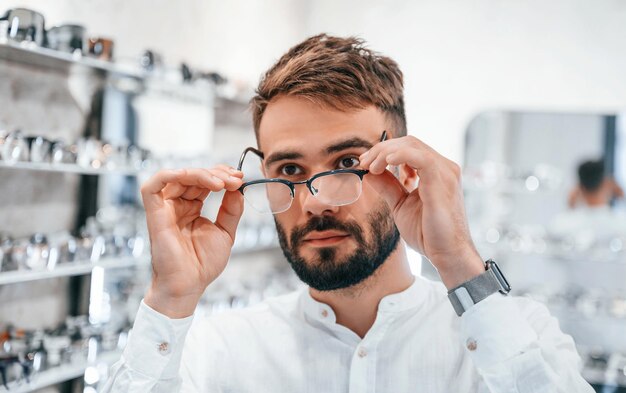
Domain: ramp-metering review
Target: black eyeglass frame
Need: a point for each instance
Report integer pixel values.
(292, 185)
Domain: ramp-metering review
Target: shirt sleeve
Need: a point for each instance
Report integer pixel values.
(518, 347)
(152, 357)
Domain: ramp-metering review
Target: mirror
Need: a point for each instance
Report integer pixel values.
(544, 198)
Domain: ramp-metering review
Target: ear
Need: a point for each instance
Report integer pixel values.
(408, 177)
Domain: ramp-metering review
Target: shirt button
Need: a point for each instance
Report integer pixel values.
(164, 348)
(471, 344)
(324, 313)
(362, 352)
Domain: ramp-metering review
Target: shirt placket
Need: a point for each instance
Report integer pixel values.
(363, 368)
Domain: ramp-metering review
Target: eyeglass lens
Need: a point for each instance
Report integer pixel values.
(268, 197)
(336, 189)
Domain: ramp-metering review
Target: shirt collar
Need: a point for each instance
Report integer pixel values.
(411, 297)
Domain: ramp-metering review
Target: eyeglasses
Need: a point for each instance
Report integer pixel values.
(338, 187)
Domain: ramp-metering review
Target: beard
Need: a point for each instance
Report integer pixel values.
(327, 271)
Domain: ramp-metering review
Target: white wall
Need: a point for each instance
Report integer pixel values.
(462, 57)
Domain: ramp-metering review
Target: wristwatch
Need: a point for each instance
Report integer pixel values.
(478, 288)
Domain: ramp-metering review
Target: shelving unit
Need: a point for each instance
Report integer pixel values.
(59, 374)
(127, 78)
(29, 54)
(71, 269)
(86, 267)
(69, 168)
(600, 377)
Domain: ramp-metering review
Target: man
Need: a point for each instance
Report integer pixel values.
(594, 223)
(365, 323)
(594, 188)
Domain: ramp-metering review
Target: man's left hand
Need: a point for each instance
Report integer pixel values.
(431, 217)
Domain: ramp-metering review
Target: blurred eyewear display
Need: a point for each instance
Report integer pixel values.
(67, 38)
(114, 232)
(25, 25)
(100, 48)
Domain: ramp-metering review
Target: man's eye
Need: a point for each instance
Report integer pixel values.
(348, 162)
(290, 170)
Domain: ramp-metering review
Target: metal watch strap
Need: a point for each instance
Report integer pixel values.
(473, 291)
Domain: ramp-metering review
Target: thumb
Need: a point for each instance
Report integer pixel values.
(230, 212)
(388, 187)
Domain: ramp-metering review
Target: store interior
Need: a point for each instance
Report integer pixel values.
(96, 96)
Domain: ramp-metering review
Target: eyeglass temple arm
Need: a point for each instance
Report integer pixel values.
(243, 155)
(383, 137)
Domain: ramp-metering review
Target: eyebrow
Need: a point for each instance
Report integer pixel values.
(348, 144)
(334, 148)
(282, 155)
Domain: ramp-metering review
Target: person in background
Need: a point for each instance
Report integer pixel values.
(594, 188)
(329, 119)
(591, 221)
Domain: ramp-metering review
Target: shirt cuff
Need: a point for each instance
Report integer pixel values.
(155, 344)
(495, 330)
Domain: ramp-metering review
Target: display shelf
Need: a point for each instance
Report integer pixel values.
(85, 267)
(59, 374)
(67, 168)
(602, 377)
(73, 269)
(30, 54)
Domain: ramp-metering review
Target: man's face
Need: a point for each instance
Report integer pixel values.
(329, 247)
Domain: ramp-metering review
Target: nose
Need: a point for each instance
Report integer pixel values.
(312, 205)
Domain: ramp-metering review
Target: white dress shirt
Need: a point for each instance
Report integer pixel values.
(292, 344)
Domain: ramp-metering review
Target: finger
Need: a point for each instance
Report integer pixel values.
(418, 159)
(431, 168)
(195, 193)
(392, 145)
(388, 187)
(421, 159)
(230, 212)
(230, 170)
(374, 159)
(204, 178)
(151, 190)
(369, 156)
(231, 182)
(195, 179)
(174, 190)
(379, 165)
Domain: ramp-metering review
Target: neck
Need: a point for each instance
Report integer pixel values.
(356, 307)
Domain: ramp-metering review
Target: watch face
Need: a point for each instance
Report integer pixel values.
(492, 265)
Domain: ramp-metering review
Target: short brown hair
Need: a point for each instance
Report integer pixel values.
(340, 73)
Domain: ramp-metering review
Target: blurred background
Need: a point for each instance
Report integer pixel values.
(96, 95)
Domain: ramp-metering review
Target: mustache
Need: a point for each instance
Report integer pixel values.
(325, 223)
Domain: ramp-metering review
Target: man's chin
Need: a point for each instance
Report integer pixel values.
(315, 255)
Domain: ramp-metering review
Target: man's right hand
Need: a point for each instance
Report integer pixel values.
(188, 250)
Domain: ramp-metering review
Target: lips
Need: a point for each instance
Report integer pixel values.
(324, 235)
(325, 238)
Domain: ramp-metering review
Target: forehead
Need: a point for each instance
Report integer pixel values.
(297, 124)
